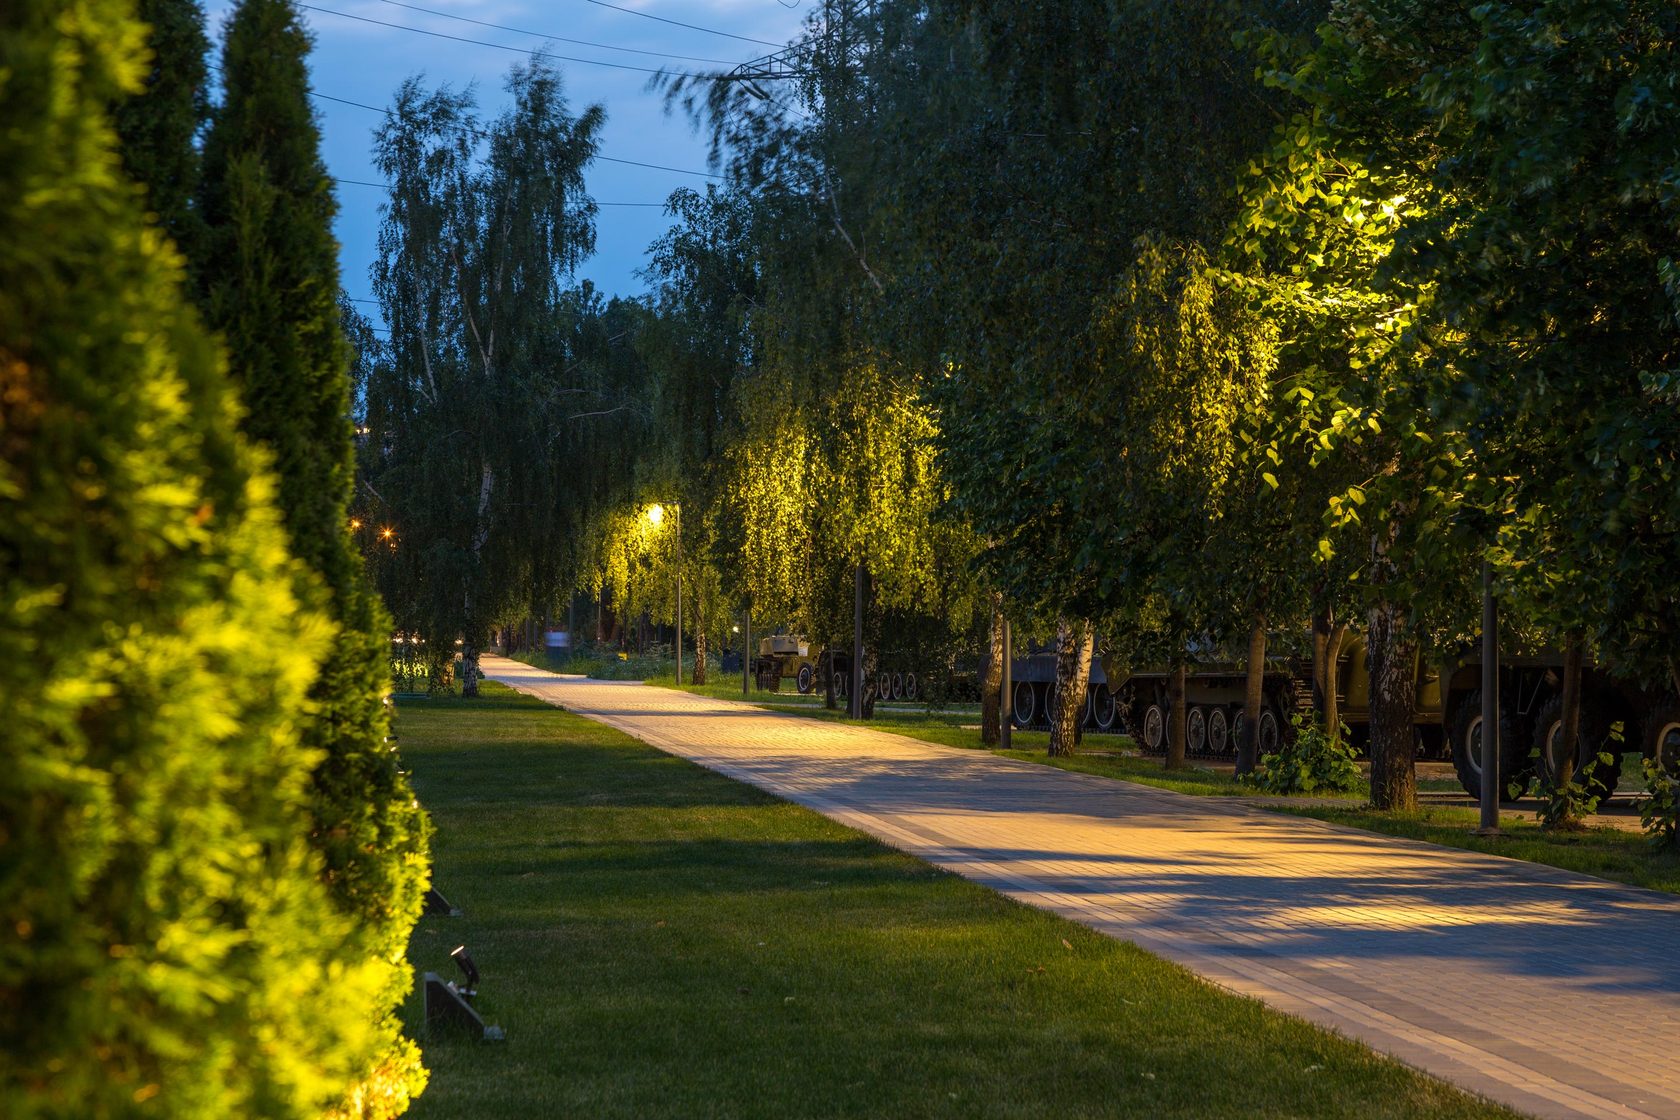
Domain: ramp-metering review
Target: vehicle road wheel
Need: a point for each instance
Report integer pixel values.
(1270, 736)
(1025, 708)
(842, 682)
(1467, 749)
(1103, 708)
(805, 679)
(911, 688)
(1154, 730)
(1593, 736)
(883, 685)
(1662, 736)
(1196, 731)
(1218, 731)
(898, 686)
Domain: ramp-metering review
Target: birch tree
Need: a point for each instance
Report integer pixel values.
(483, 226)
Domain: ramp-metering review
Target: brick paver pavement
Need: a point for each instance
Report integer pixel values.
(1556, 993)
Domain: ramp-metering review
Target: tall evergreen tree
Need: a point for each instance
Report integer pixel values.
(271, 287)
(168, 946)
(157, 129)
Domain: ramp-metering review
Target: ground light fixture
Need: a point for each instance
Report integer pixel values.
(446, 1005)
(463, 960)
(439, 906)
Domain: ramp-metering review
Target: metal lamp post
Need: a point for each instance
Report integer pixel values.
(1491, 746)
(656, 514)
(1006, 702)
(677, 519)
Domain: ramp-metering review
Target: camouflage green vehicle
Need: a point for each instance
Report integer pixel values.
(1616, 717)
(1213, 702)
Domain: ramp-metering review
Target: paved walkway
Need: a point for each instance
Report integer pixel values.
(1555, 993)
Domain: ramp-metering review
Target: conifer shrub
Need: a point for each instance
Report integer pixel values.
(167, 943)
(271, 288)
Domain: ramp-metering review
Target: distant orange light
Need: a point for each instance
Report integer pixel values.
(387, 533)
(355, 523)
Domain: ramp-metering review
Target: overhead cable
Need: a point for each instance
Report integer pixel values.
(503, 46)
(557, 38)
(481, 134)
(677, 23)
(387, 186)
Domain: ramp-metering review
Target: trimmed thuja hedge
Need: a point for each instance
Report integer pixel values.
(270, 288)
(167, 943)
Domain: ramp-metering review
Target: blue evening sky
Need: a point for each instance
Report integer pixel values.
(364, 62)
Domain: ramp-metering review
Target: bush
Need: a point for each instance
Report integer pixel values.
(1661, 812)
(1568, 803)
(169, 946)
(271, 280)
(1309, 763)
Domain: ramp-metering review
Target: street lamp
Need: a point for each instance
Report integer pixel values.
(656, 516)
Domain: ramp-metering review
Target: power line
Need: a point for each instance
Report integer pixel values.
(481, 134)
(559, 38)
(660, 167)
(501, 46)
(387, 186)
(690, 26)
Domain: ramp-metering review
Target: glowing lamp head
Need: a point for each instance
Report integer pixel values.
(656, 513)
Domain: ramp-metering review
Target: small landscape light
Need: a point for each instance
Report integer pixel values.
(464, 961)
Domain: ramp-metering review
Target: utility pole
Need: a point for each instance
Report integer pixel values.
(1491, 776)
(676, 509)
(746, 646)
(854, 701)
(1006, 702)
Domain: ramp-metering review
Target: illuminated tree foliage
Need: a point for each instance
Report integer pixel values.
(1322, 206)
(831, 462)
(1464, 228)
(1037, 169)
(169, 944)
(271, 279)
(1550, 243)
(697, 340)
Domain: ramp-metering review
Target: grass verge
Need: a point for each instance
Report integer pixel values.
(1103, 755)
(659, 941)
(1609, 853)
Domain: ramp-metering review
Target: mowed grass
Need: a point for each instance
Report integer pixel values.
(1609, 853)
(659, 941)
(1108, 756)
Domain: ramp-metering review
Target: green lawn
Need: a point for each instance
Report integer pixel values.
(1606, 852)
(659, 941)
(1609, 853)
(1109, 756)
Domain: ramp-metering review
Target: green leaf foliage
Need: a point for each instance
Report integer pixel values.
(1310, 761)
(168, 947)
(271, 282)
(473, 416)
